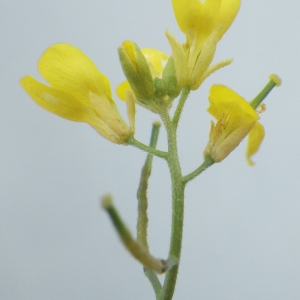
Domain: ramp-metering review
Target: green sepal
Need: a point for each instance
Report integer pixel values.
(160, 88)
(170, 79)
(167, 86)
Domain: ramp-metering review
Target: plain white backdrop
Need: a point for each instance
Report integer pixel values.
(242, 225)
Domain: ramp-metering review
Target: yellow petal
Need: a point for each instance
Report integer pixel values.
(222, 99)
(121, 90)
(228, 12)
(255, 138)
(129, 49)
(58, 102)
(67, 68)
(197, 15)
(157, 59)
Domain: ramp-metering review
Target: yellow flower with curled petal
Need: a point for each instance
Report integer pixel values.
(78, 92)
(235, 120)
(204, 22)
(157, 61)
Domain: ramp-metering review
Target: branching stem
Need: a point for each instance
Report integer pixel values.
(133, 142)
(177, 206)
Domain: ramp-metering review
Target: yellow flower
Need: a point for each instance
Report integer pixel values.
(156, 60)
(204, 22)
(78, 92)
(235, 120)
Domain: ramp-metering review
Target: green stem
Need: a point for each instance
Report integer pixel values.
(142, 224)
(154, 281)
(207, 163)
(274, 81)
(133, 142)
(184, 95)
(177, 207)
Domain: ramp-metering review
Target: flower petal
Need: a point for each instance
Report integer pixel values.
(255, 138)
(121, 90)
(55, 101)
(67, 68)
(228, 12)
(157, 60)
(197, 15)
(222, 99)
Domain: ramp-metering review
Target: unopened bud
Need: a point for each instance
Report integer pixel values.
(137, 71)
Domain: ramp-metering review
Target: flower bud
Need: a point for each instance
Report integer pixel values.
(137, 71)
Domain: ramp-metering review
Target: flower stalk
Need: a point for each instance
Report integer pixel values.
(184, 95)
(208, 161)
(133, 142)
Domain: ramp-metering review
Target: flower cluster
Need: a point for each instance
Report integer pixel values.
(79, 92)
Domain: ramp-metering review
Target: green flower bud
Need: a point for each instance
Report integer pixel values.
(137, 71)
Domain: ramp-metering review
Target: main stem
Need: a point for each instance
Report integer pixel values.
(177, 207)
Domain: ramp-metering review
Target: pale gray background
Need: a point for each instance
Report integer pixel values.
(242, 226)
